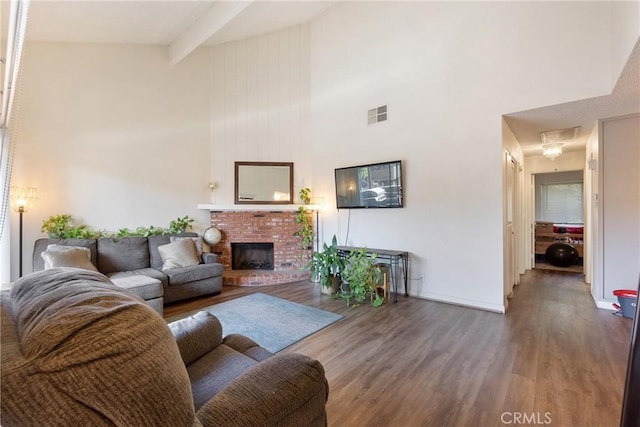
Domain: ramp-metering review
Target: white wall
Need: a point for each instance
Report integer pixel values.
(619, 206)
(118, 137)
(113, 135)
(448, 71)
(260, 106)
(625, 28)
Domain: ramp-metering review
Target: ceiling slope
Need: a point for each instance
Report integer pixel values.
(624, 100)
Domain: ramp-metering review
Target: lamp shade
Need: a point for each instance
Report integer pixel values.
(22, 198)
(212, 236)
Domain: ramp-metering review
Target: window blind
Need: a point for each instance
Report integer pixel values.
(562, 203)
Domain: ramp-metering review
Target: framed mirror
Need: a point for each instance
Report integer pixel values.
(264, 183)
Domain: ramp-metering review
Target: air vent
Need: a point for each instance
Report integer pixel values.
(376, 115)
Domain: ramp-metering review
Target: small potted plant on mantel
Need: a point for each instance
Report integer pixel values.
(327, 266)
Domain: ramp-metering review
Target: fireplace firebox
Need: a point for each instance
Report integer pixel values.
(252, 256)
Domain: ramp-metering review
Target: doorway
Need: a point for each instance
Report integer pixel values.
(558, 233)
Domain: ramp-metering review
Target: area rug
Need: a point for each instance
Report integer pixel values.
(272, 322)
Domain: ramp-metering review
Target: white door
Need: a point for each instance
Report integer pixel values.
(511, 257)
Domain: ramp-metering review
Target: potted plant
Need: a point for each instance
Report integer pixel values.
(59, 227)
(362, 274)
(305, 232)
(56, 225)
(180, 225)
(327, 265)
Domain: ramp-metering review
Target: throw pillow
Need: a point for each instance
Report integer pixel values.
(182, 253)
(67, 256)
(196, 240)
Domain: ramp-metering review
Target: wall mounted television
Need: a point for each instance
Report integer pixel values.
(377, 185)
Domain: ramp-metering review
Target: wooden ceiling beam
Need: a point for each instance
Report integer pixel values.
(214, 19)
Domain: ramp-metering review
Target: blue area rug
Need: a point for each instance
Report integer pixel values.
(272, 322)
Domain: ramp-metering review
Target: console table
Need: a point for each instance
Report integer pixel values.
(395, 258)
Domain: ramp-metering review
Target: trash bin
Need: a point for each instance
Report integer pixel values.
(628, 300)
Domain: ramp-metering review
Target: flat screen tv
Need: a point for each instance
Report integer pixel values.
(377, 185)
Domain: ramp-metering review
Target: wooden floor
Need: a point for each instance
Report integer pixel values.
(547, 266)
(553, 358)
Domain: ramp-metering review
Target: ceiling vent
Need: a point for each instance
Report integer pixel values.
(560, 135)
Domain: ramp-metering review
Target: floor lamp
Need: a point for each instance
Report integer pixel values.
(22, 198)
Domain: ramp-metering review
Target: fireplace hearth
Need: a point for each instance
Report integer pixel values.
(252, 256)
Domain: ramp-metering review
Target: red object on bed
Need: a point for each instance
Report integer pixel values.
(573, 229)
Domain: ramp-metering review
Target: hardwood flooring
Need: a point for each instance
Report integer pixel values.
(546, 266)
(553, 359)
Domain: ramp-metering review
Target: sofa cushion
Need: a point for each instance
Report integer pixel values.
(41, 245)
(144, 286)
(151, 272)
(155, 241)
(196, 335)
(67, 256)
(122, 254)
(182, 253)
(178, 276)
(212, 372)
(197, 240)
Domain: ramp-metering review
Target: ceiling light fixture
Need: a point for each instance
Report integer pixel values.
(552, 151)
(552, 140)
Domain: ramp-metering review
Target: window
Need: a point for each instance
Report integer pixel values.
(562, 202)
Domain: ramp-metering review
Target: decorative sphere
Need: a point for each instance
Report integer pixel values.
(211, 236)
(561, 255)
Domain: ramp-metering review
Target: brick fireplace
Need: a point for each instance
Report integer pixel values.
(273, 227)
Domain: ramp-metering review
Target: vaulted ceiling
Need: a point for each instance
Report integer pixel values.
(624, 100)
(183, 25)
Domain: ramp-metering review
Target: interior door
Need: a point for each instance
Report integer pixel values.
(510, 241)
(532, 223)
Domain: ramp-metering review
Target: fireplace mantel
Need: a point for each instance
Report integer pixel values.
(257, 208)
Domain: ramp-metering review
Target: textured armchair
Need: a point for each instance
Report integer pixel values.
(78, 350)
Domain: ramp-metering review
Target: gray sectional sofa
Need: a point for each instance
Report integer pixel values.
(77, 350)
(134, 263)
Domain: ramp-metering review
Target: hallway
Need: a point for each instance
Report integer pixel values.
(576, 353)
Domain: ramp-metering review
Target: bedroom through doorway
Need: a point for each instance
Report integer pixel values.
(559, 221)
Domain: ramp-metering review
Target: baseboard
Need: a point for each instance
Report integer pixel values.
(606, 305)
(464, 302)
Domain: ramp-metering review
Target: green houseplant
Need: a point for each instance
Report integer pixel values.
(327, 265)
(56, 225)
(305, 232)
(60, 227)
(362, 274)
(180, 225)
